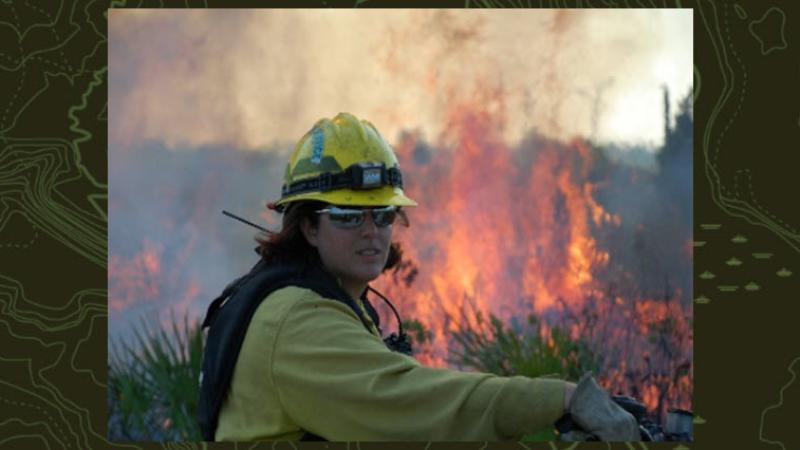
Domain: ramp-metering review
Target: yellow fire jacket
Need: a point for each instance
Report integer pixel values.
(308, 364)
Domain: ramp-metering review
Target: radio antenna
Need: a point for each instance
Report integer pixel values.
(234, 216)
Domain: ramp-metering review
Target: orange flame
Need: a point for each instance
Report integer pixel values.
(134, 279)
(510, 232)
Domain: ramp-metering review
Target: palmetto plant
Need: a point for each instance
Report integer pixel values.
(153, 382)
(495, 347)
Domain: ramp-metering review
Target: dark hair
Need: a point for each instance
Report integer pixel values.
(290, 245)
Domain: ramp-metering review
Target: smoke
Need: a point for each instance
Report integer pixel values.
(654, 241)
(249, 79)
(170, 247)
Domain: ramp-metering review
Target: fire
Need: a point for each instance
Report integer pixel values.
(136, 278)
(491, 230)
(511, 232)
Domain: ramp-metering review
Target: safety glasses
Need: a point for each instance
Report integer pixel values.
(353, 218)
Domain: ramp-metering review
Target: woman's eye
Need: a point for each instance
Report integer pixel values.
(348, 219)
(388, 218)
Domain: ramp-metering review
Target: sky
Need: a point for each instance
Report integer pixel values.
(251, 79)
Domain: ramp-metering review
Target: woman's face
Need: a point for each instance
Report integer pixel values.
(356, 255)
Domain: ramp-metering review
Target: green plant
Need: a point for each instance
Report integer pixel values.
(153, 382)
(497, 348)
(420, 335)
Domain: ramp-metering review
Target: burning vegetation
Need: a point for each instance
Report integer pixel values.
(595, 249)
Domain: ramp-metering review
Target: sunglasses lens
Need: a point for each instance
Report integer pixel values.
(349, 219)
(353, 218)
(384, 217)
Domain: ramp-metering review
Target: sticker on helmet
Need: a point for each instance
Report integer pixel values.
(317, 144)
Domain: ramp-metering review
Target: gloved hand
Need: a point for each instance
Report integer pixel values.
(593, 410)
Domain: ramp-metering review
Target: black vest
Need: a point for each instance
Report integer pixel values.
(229, 315)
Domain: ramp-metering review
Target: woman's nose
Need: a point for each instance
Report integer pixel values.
(368, 228)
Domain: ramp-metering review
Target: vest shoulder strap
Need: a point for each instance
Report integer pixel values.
(229, 315)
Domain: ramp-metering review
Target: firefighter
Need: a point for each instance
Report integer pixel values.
(294, 350)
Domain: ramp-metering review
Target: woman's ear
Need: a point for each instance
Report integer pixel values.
(309, 231)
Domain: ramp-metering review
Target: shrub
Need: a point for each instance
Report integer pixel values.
(499, 349)
(153, 383)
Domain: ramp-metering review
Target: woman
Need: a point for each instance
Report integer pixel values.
(294, 350)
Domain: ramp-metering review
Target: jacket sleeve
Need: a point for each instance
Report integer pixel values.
(337, 380)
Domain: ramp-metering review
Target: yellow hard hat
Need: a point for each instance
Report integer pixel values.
(343, 161)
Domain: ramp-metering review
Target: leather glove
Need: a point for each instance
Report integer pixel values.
(593, 410)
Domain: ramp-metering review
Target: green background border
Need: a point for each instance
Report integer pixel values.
(53, 212)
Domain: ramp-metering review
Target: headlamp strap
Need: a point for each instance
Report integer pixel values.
(357, 176)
